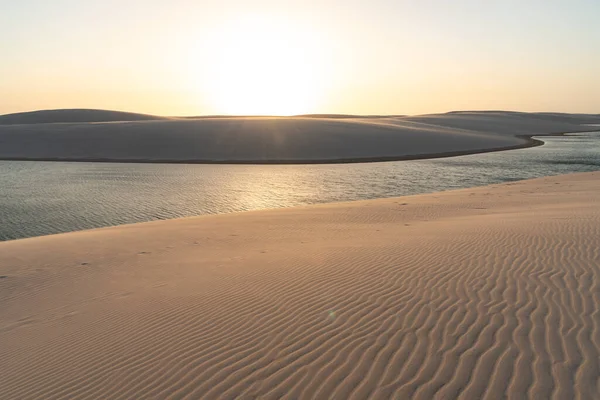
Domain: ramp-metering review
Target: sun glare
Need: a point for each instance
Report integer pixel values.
(266, 67)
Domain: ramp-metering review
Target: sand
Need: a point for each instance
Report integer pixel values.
(276, 140)
(72, 116)
(492, 292)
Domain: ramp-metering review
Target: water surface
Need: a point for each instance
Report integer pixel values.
(40, 198)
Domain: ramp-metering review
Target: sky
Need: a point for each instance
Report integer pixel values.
(184, 57)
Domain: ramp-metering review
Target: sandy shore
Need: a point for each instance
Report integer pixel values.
(492, 292)
(282, 140)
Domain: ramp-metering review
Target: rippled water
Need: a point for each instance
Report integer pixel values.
(39, 198)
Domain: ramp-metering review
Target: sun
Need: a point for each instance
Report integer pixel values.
(266, 66)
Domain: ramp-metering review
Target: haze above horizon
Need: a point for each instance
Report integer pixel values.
(353, 57)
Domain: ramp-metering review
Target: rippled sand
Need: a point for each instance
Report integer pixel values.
(490, 292)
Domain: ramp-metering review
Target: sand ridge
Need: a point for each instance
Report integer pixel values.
(490, 292)
(264, 140)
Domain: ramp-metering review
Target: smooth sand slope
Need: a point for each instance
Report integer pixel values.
(491, 292)
(278, 140)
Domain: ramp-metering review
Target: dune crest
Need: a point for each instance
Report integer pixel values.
(489, 293)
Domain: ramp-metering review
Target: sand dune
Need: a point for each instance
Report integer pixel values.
(550, 116)
(487, 293)
(279, 140)
(72, 116)
(505, 123)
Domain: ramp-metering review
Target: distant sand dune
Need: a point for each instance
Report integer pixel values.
(508, 123)
(273, 139)
(489, 293)
(72, 116)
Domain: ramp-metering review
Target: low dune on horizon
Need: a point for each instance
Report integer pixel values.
(75, 115)
(481, 293)
(96, 135)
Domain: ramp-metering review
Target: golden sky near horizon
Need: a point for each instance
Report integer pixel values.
(381, 57)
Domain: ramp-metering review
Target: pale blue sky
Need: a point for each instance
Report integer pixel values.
(387, 57)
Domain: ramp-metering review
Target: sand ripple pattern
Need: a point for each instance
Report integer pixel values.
(468, 294)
